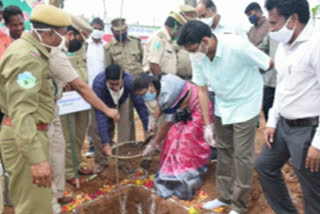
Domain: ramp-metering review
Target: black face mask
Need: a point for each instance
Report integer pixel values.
(75, 45)
(122, 37)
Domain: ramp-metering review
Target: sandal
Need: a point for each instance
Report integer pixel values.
(85, 171)
(72, 181)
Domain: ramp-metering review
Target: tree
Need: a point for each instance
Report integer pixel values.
(191, 2)
(316, 12)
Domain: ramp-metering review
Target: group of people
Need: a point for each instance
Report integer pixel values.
(198, 86)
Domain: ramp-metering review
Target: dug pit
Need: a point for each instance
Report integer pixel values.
(135, 200)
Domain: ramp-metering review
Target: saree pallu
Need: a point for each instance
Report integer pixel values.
(184, 155)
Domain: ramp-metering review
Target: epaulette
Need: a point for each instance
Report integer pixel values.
(134, 37)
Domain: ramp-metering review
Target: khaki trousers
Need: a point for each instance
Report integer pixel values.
(126, 131)
(27, 197)
(100, 157)
(1, 174)
(235, 145)
(79, 121)
(57, 160)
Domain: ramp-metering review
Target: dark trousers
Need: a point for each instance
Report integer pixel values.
(268, 97)
(289, 142)
(214, 153)
(1, 116)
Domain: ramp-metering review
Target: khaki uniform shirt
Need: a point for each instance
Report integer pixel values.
(61, 71)
(79, 62)
(128, 54)
(269, 46)
(259, 31)
(184, 68)
(159, 50)
(26, 93)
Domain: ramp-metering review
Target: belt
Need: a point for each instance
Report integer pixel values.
(309, 121)
(40, 126)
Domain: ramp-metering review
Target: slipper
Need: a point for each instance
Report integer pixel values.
(73, 181)
(85, 171)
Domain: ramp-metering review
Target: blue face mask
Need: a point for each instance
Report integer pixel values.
(149, 96)
(253, 19)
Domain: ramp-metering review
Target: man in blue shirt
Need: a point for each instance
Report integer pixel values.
(231, 66)
(114, 87)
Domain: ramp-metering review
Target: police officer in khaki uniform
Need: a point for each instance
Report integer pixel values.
(184, 68)
(79, 120)
(160, 55)
(160, 52)
(27, 100)
(188, 12)
(126, 51)
(62, 72)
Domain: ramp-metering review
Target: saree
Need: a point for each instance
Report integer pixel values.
(184, 155)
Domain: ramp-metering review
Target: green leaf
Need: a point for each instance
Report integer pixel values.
(315, 10)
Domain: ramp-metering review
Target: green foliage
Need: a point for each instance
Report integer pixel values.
(315, 11)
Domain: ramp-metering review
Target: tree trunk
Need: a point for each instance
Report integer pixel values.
(55, 3)
(193, 3)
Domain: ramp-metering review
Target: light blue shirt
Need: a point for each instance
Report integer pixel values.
(235, 77)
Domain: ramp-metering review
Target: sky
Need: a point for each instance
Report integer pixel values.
(154, 12)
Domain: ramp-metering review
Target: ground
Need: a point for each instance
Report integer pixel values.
(257, 203)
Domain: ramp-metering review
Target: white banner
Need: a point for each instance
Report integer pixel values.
(72, 102)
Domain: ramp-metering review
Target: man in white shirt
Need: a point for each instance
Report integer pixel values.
(95, 62)
(292, 129)
(95, 54)
(207, 13)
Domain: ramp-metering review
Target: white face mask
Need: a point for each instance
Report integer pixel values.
(208, 21)
(54, 49)
(97, 34)
(283, 35)
(198, 56)
(116, 95)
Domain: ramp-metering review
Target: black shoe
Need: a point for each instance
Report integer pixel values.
(90, 153)
(213, 155)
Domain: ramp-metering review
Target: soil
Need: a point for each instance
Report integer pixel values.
(134, 197)
(257, 203)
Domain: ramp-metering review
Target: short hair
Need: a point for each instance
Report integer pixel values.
(143, 80)
(171, 22)
(193, 32)
(288, 7)
(1, 4)
(11, 11)
(113, 72)
(75, 31)
(253, 6)
(97, 21)
(208, 3)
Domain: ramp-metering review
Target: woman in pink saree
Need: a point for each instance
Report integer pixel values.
(184, 152)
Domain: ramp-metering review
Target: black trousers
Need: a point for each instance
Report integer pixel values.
(268, 98)
(289, 142)
(214, 152)
(1, 116)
